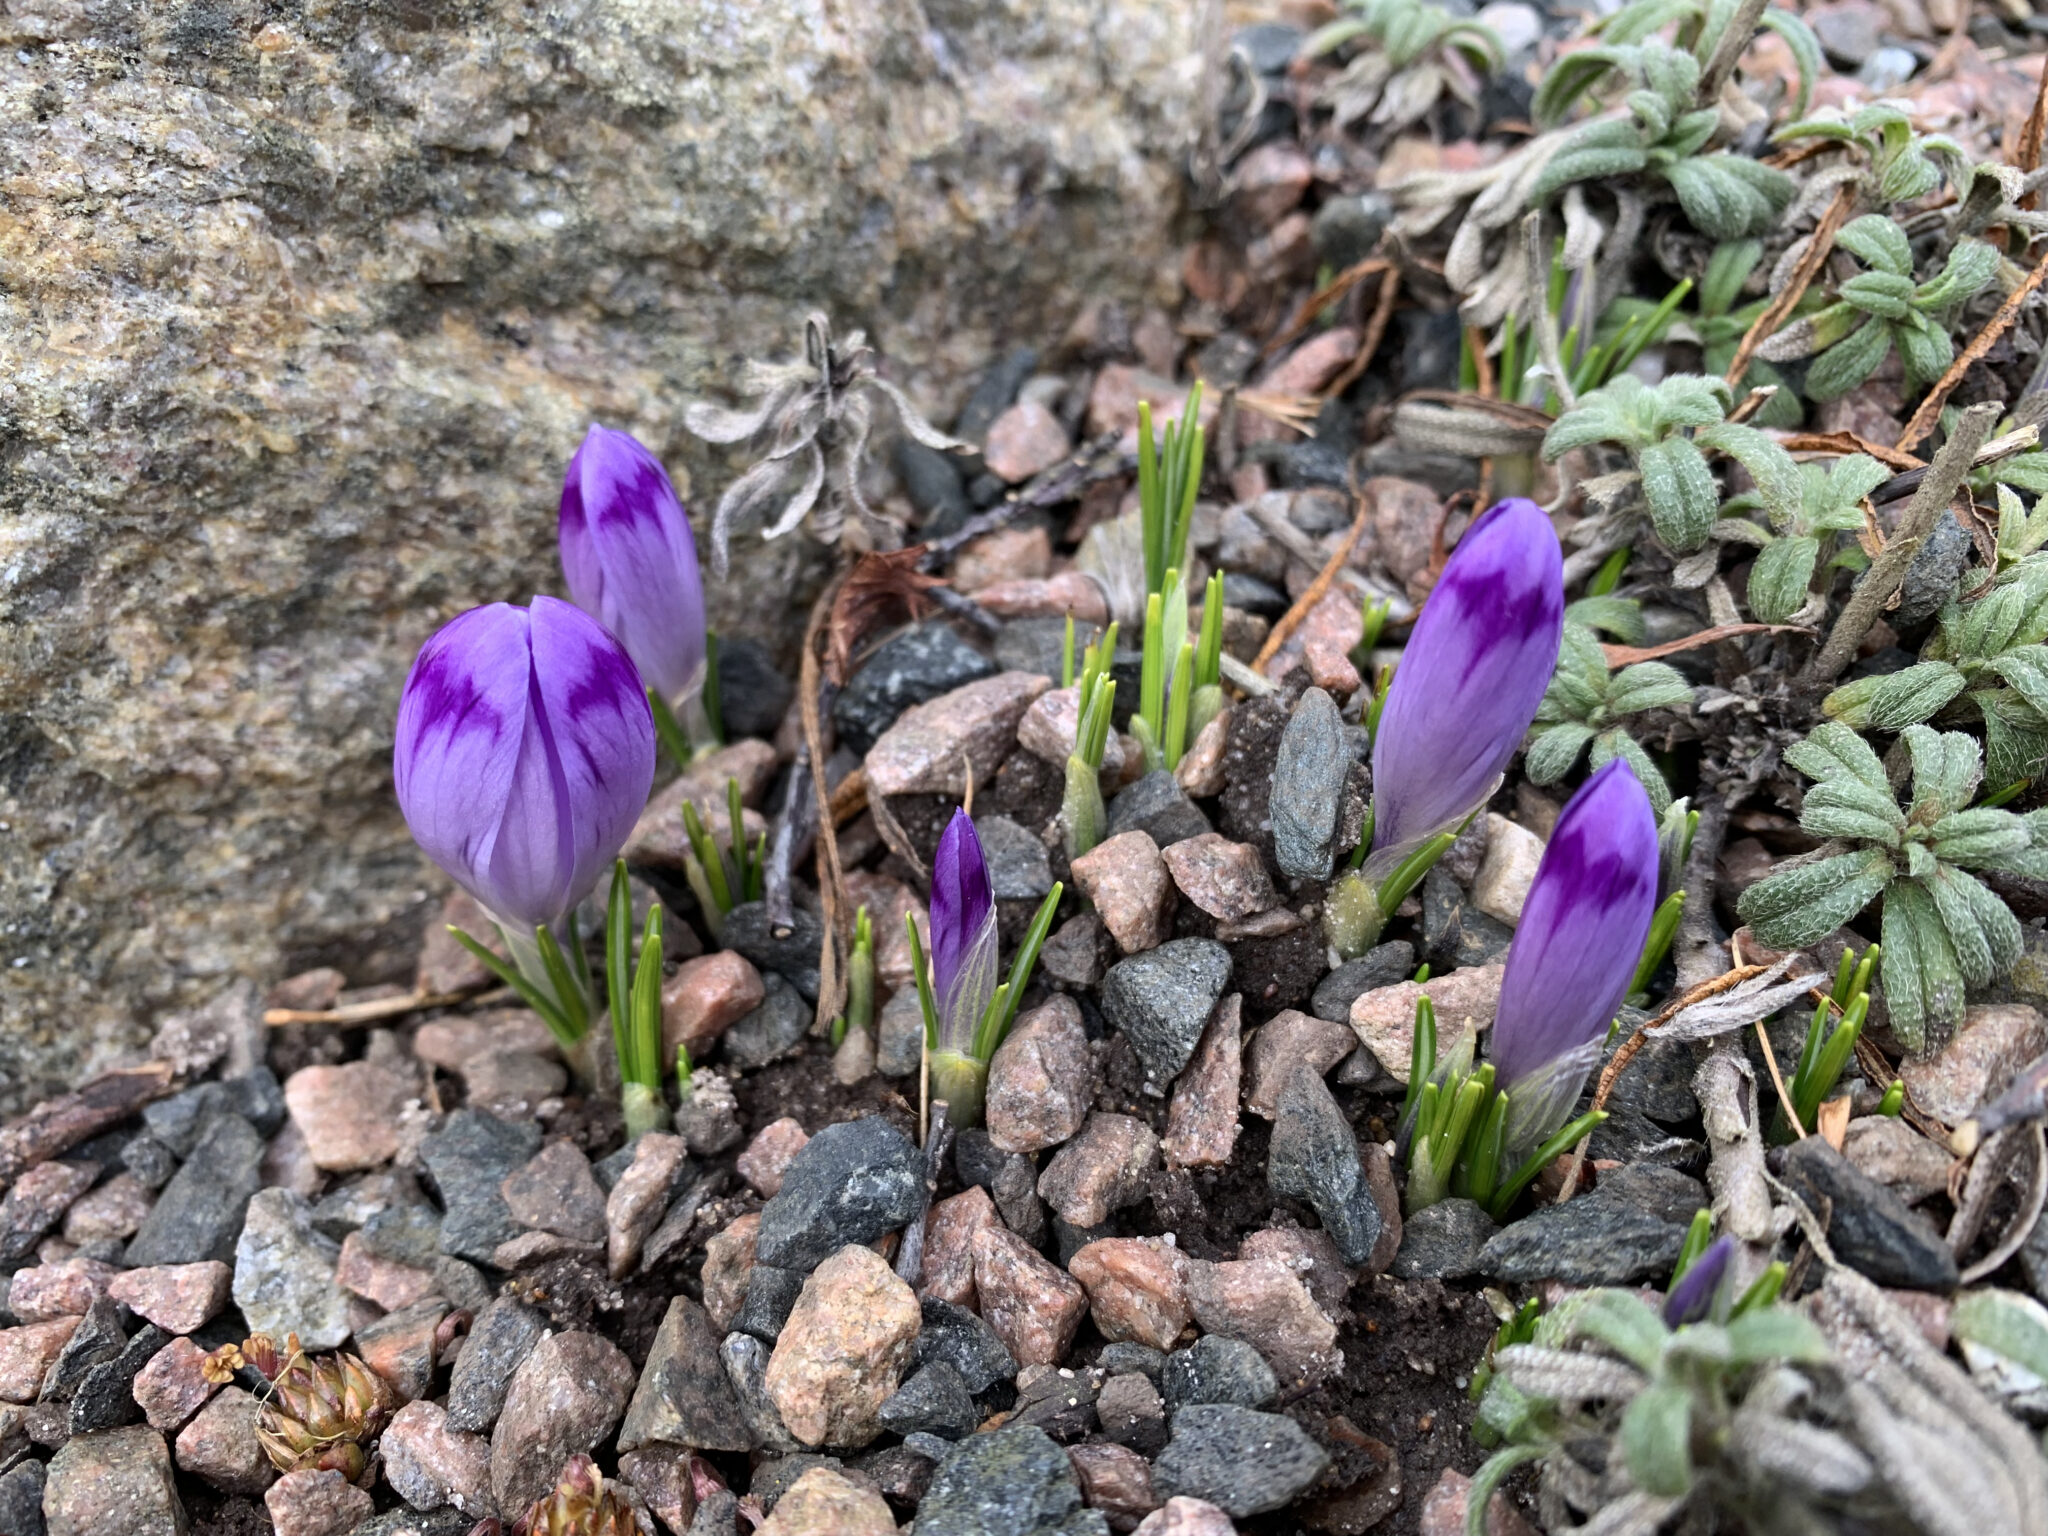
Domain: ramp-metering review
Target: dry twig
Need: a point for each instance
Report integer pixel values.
(1767, 323)
(1929, 414)
(1313, 593)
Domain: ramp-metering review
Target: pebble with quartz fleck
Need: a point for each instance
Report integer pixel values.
(502, 1336)
(1100, 1171)
(1137, 1288)
(769, 1154)
(178, 1298)
(316, 1504)
(220, 1445)
(1041, 1080)
(120, 1480)
(431, 1466)
(566, 1396)
(851, 1183)
(842, 1352)
(639, 1198)
(1034, 1307)
(1132, 892)
(173, 1386)
(1201, 1114)
(1163, 998)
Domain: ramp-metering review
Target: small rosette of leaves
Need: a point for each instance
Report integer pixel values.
(1718, 323)
(1411, 53)
(1664, 428)
(1986, 659)
(1584, 706)
(1830, 502)
(1943, 929)
(1899, 164)
(1725, 196)
(1699, 28)
(1881, 309)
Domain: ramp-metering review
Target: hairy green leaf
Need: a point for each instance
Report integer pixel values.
(1777, 477)
(1681, 491)
(1848, 362)
(1647, 685)
(1611, 744)
(1551, 755)
(1779, 579)
(1946, 768)
(1656, 1435)
(1923, 987)
(1878, 243)
(1833, 751)
(1847, 808)
(1799, 906)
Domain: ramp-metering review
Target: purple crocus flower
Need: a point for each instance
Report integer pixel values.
(1574, 951)
(964, 945)
(525, 752)
(630, 561)
(1475, 668)
(1691, 1299)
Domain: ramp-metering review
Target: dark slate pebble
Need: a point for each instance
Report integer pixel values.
(1309, 778)
(1629, 1229)
(179, 1121)
(1162, 1000)
(105, 1397)
(1253, 595)
(994, 393)
(934, 1400)
(776, 1475)
(1455, 935)
(411, 1522)
(1010, 1482)
(97, 1340)
(468, 1158)
(1035, 644)
(1018, 866)
(1430, 344)
(933, 482)
(962, 1341)
(919, 664)
(1382, 966)
(771, 1296)
(1931, 578)
(753, 695)
(1442, 1241)
(199, 1214)
(1157, 805)
(1124, 1357)
(404, 1234)
(1314, 1157)
(1060, 1402)
(1870, 1228)
(793, 956)
(21, 1499)
(851, 1183)
(1345, 229)
(772, 1030)
(1131, 1413)
(503, 1335)
(1010, 1178)
(1217, 1369)
(1242, 1461)
(149, 1161)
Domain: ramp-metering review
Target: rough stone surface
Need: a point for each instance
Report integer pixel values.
(27, 1352)
(1183, 1516)
(824, 1503)
(1308, 787)
(1034, 1307)
(1127, 880)
(348, 1114)
(67, 1288)
(1162, 999)
(1507, 871)
(1157, 806)
(555, 1191)
(1041, 1079)
(1049, 728)
(220, 1445)
(640, 1197)
(1100, 1171)
(949, 1238)
(1314, 1156)
(1137, 1288)
(36, 1202)
(21, 1498)
(962, 1340)
(284, 1273)
(770, 1153)
(1115, 1480)
(1870, 1228)
(1240, 1460)
(1893, 1153)
(1993, 1043)
(1011, 1482)
(1226, 880)
(728, 1258)
(1381, 966)
(105, 1394)
(431, 1466)
(503, 1335)
(932, 747)
(1629, 1229)
(178, 1298)
(684, 1397)
(565, 1397)
(704, 999)
(561, 168)
(1384, 1019)
(934, 1400)
(1264, 1302)
(843, 1350)
(851, 1183)
(116, 1480)
(1201, 1115)
(316, 1504)
(1442, 1241)
(1443, 1512)
(909, 668)
(400, 1346)
(468, 1158)
(172, 1387)
(1283, 1042)
(114, 1210)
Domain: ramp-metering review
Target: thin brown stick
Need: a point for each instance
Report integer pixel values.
(2031, 136)
(373, 1012)
(1888, 570)
(1375, 333)
(1313, 593)
(1475, 343)
(1741, 28)
(1778, 1081)
(850, 797)
(1929, 414)
(1767, 323)
(831, 880)
(1322, 298)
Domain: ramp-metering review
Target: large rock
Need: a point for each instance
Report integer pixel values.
(310, 307)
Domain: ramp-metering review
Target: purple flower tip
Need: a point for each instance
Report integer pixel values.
(1575, 948)
(1691, 1299)
(630, 560)
(524, 755)
(1475, 668)
(964, 943)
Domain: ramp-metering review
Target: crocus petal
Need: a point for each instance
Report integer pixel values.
(630, 561)
(594, 706)
(1474, 671)
(964, 943)
(524, 755)
(461, 721)
(1691, 1300)
(1575, 948)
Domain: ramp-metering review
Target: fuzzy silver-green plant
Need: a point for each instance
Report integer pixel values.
(1943, 929)
(1585, 705)
(1883, 308)
(1699, 30)
(1652, 423)
(1725, 196)
(1898, 165)
(1985, 661)
(1414, 51)
(1830, 502)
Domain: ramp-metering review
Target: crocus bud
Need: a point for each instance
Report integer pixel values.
(965, 953)
(525, 752)
(630, 561)
(1474, 670)
(1574, 951)
(1691, 1299)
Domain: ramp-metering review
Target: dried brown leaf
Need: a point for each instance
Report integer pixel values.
(882, 584)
